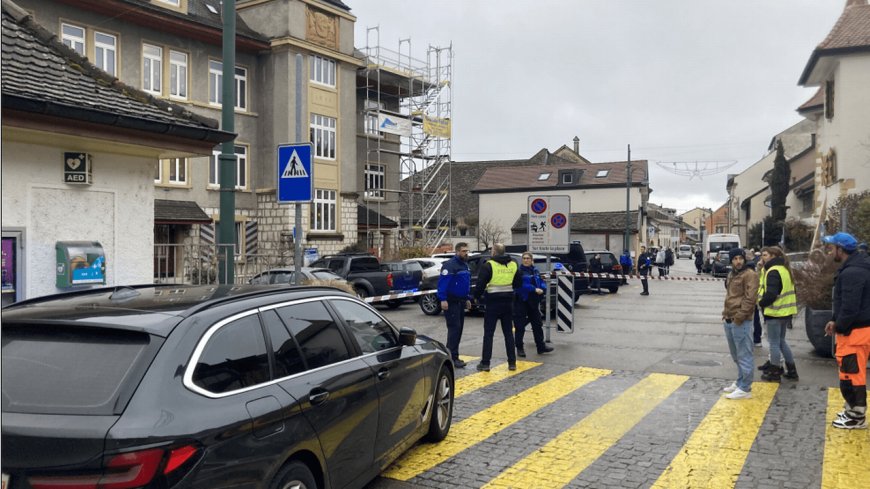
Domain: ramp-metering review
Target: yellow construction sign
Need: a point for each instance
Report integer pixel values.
(433, 126)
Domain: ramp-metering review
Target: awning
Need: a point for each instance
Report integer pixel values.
(179, 212)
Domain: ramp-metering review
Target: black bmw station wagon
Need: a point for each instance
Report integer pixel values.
(213, 387)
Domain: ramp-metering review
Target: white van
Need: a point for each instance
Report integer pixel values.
(715, 243)
(684, 251)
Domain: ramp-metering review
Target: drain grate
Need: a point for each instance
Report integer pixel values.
(697, 363)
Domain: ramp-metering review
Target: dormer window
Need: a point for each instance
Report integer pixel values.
(602, 173)
(567, 178)
(543, 176)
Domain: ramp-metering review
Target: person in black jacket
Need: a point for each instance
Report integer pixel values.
(774, 272)
(498, 277)
(669, 260)
(699, 261)
(851, 323)
(644, 267)
(596, 269)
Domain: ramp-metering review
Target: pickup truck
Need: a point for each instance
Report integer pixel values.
(364, 272)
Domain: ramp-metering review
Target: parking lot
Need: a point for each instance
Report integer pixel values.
(633, 399)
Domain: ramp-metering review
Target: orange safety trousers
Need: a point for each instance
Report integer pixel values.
(853, 349)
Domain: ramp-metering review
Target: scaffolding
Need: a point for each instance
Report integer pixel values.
(412, 99)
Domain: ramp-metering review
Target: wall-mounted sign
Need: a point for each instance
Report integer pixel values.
(393, 124)
(77, 168)
(80, 263)
(438, 127)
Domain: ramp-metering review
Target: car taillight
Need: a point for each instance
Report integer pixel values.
(617, 268)
(123, 471)
(390, 280)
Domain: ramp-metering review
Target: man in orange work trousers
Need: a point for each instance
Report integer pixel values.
(851, 322)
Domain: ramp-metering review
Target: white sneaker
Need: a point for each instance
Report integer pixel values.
(739, 394)
(730, 388)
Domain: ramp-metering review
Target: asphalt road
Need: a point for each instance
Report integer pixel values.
(632, 398)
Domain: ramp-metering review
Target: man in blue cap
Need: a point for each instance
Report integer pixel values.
(851, 324)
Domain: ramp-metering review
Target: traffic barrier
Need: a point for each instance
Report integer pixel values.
(631, 275)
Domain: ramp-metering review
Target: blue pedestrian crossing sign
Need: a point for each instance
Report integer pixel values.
(295, 173)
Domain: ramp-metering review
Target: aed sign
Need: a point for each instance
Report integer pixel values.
(77, 168)
(549, 226)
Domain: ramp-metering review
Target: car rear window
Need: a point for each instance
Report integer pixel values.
(57, 370)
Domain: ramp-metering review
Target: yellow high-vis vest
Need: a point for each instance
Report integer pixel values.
(502, 277)
(786, 302)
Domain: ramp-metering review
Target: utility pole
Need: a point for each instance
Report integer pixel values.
(227, 158)
(627, 236)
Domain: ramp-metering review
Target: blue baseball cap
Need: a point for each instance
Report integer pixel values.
(843, 240)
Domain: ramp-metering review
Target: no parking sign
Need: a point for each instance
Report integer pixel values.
(549, 227)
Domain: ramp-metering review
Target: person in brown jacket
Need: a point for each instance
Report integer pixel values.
(741, 289)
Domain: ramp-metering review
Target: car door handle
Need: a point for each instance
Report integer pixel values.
(383, 373)
(316, 398)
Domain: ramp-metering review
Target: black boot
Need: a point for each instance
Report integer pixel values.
(766, 366)
(791, 372)
(773, 374)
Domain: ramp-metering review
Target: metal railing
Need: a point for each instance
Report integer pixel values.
(199, 264)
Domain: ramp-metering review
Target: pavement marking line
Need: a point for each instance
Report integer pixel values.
(557, 463)
(468, 358)
(714, 454)
(473, 382)
(846, 461)
(490, 421)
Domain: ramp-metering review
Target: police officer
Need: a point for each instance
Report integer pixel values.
(454, 292)
(644, 267)
(498, 277)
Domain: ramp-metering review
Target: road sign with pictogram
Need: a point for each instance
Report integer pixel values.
(549, 227)
(295, 173)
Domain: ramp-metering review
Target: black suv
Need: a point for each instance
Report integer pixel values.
(609, 265)
(213, 387)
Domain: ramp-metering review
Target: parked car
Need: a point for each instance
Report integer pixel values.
(431, 271)
(213, 386)
(575, 261)
(685, 251)
(610, 265)
(288, 276)
(721, 267)
(364, 272)
(431, 306)
(407, 277)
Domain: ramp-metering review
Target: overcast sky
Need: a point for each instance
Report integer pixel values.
(679, 80)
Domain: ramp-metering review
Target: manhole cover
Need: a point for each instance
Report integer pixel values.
(697, 363)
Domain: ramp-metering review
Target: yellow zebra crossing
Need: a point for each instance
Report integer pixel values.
(713, 455)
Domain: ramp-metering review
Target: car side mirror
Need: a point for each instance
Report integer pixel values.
(407, 337)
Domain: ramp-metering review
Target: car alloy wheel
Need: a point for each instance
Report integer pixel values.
(430, 305)
(442, 407)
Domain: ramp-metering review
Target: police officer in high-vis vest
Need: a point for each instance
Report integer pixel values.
(778, 303)
(498, 277)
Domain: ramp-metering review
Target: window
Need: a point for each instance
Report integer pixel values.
(215, 85)
(288, 358)
(152, 68)
(241, 167)
(567, 178)
(158, 174)
(215, 82)
(321, 70)
(318, 335)
(829, 99)
(234, 358)
(174, 3)
(543, 176)
(177, 74)
(323, 136)
(105, 49)
(177, 170)
(323, 210)
(369, 330)
(602, 173)
(371, 124)
(73, 37)
(374, 181)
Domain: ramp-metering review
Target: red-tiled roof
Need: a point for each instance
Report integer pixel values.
(817, 101)
(851, 33)
(527, 177)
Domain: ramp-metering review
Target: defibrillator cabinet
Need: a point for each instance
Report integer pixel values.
(80, 263)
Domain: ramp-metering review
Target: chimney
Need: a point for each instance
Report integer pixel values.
(576, 145)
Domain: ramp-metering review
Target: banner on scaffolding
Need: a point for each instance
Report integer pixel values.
(393, 124)
(434, 126)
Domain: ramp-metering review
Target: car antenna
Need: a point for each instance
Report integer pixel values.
(124, 292)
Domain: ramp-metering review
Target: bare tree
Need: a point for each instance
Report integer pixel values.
(489, 232)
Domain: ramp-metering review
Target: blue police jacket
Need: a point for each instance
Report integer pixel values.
(531, 280)
(454, 281)
(625, 261)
